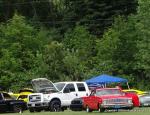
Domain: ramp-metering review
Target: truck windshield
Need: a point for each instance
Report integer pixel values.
(108, 92)
(59, 86)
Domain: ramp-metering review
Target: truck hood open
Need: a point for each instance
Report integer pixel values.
(43, 85)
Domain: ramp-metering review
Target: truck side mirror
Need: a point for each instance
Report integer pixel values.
(66, 90)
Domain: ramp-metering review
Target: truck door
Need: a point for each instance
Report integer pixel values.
(69, 93)
(82, 92)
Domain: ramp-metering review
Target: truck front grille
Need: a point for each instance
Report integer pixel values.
(109, 101)
(34, 98)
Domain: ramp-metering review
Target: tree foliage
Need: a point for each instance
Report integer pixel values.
(68, 49)
(97, 15)
(124, 49)
(20, 44)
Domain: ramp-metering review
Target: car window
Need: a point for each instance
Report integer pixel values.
(7, 96)
(146, 93)
(70, 87)
(22, 96)
(108, 92)
(81, 87)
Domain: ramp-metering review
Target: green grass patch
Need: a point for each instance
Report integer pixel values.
(137, 111)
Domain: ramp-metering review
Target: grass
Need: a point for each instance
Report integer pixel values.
(137, 111)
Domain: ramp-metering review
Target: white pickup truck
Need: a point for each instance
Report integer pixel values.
(54, 97)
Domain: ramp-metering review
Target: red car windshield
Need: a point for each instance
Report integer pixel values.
(108, 92)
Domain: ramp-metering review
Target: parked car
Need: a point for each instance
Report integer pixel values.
(145, 100)
(135, 91)
(107, 98)
(9, 104)
(76, 104)
(55, 97)
(22, 94)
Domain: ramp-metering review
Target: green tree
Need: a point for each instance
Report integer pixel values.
(117, 49)
(143, 43)
(124, 49)
(20, 48)
(74, 69)
(96, 15)
(82, 44)
(53, 55)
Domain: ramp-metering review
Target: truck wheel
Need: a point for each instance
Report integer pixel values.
(63, 108)
(88, 109)
(55, 106)
(31, 110)
(17, 108)
(38, 110)
(101, 110)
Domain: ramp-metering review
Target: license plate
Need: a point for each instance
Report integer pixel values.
(33, 105)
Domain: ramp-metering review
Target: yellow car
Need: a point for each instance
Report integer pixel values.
(135, 91)
(22, 95)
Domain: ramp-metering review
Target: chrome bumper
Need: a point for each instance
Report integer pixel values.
(37, 104)
(116, 106)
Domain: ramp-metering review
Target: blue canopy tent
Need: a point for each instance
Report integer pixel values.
(105, 79)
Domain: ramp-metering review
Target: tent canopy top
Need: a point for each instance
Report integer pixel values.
(105, 79)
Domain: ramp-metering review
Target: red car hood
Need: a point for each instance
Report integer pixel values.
(114, 97)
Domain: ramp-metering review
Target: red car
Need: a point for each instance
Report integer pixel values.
(109, 98)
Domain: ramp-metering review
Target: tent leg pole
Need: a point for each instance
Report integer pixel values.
(128, 85)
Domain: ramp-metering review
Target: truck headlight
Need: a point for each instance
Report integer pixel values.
(129, 101)
(104, 102)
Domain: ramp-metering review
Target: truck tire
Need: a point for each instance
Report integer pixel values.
(31, 110)
(101, 110)
(88, 109)
(63, 108)
(38, 110)
(17, 109)
(55, 106)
